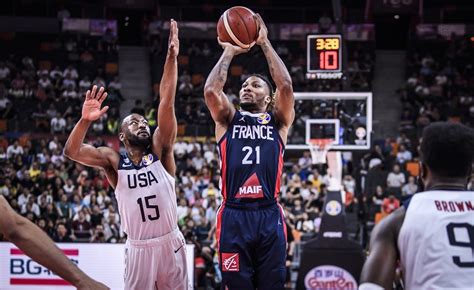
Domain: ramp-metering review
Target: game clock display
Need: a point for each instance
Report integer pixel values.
(324, 53)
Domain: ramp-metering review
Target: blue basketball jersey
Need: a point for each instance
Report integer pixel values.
(251, 153)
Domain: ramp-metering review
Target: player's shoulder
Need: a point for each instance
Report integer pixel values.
(112, 156)
(390, 226)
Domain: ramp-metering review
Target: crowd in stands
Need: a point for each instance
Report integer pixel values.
(45, 89)
(440, 83)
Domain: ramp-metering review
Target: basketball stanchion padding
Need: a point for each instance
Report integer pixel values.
(331, 260)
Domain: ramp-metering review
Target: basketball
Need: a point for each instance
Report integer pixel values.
(238, 27)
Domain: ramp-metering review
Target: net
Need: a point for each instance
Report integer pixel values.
(319, 149)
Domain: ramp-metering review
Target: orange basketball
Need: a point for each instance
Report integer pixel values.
(238, 27)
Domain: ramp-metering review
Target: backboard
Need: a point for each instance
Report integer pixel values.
(346, 114)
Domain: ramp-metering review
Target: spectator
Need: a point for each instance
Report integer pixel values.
(112, 229)
(325, 22)
(4, 71)
(81, 228)
(5, 105)
(61, 235)
(410, 188)
(115, 84)
(58, 124)
(44, 81)
(138, 109)
(98, 236)
(63, 13)
(390, 204)
(305, 162)
(56, 74)
(14, 150)
(84, 84)
(31, 206)
(71, 73)
(395, 181)
(63, 207)
(70, 93)
(53, 144)
(403, 155)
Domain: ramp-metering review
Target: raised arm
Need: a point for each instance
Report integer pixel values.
(75, 149)
(379, 268)
(165, 136)
(36, 244)
(284, 99)
(221, 109)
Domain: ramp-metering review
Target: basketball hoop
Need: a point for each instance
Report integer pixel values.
(319, 149)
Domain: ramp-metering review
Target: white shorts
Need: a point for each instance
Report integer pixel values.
(156, 264)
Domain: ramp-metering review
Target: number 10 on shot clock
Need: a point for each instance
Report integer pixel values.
(324, 53)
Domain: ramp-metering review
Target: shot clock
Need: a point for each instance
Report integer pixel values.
(324, 54)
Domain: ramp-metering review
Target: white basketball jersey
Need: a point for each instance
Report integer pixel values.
(146, 198)
(436, 241)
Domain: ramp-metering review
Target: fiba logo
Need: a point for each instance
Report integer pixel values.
(333, 208)
(329, 277)
(148, 159)
(264, 119)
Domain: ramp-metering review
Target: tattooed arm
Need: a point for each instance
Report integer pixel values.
(222, 111)
(284, 99)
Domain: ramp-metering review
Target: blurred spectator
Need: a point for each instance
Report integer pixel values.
(58, 124)
(4, 71)
(63, 13)
(390, 204)
(14, 150)
(61, 235)
(81, 228)
(138, 108)
(410, 188)
(324, 22)
(403, 155)
(395, 181)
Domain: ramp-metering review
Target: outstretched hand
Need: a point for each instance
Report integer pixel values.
(234, 49)
(173, 40)
(91, 110)
(262, 29)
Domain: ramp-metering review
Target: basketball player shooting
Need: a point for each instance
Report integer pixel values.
(37, 245)
(251, 232)
(433, 233)
(144, 183)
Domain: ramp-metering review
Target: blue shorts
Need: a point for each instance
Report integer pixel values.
(252, 246)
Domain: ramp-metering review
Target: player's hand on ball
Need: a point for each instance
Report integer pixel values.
(262, 30)
(173, 40)
(91, 110)
(234, 49)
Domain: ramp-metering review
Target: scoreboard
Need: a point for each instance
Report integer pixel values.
(324, 53)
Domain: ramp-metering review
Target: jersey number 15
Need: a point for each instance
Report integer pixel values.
(148, 205)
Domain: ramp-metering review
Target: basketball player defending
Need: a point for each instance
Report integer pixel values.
(144, 185)
(251, 233)
(433, 234)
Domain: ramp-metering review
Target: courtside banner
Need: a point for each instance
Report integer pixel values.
(103, 262)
